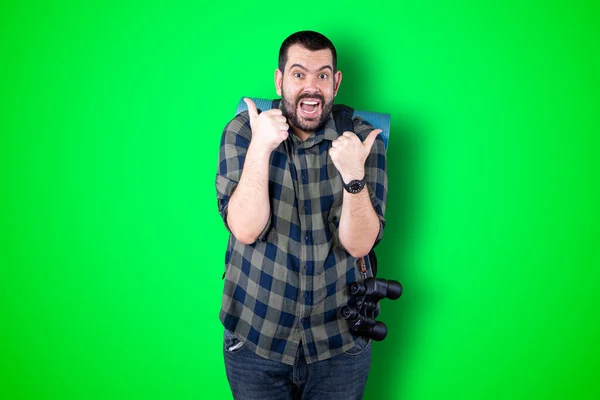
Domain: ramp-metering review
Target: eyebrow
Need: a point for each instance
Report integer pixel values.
(304, 68)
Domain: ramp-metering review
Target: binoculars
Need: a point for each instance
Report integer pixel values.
(362, 308)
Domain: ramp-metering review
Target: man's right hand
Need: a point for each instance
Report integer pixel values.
(269, 128)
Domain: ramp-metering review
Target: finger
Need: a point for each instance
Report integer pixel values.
(349, 134)
(282, 136)
(252, 111)
(280, 118)
(368, 143)
(339, 143)
(284, 127)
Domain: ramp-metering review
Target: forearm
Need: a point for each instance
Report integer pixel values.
(249, 208)
(359, 223)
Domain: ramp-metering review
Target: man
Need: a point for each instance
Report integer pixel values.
(304, 204)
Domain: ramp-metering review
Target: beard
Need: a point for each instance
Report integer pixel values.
(290, 108)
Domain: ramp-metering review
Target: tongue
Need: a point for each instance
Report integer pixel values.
(308, 107)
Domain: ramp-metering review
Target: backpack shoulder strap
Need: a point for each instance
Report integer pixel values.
(342, 115)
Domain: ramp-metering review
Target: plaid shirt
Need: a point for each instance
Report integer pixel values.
(287, 287)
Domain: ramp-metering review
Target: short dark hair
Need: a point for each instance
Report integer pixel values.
(311, 40)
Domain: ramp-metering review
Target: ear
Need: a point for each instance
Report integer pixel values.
(278, 81)
(337, 79)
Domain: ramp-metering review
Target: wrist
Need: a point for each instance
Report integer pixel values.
(258, 150)
(353, 176)
(355, 185)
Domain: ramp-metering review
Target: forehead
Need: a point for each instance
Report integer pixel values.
(309, 59)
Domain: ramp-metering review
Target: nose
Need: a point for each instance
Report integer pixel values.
(311, 85)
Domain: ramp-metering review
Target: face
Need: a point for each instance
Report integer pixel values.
(307, 87)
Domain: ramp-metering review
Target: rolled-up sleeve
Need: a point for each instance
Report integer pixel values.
(232, 154)
(375, 172)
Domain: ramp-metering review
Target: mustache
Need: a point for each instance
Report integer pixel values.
(310, 96)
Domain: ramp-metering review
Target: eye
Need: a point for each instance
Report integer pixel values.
(323, 76)
(297, 75)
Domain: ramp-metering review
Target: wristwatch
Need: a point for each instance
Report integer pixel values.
(355, 186)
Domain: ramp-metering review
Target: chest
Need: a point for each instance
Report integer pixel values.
(305, 181)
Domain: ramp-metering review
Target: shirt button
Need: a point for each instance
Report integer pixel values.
(306, 237)
(306, 295)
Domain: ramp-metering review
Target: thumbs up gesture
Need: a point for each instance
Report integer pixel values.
(349, 154)
(269, 128)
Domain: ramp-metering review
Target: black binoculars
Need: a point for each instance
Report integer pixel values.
(361, 310)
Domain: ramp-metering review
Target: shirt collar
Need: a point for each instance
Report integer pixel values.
(328, 132)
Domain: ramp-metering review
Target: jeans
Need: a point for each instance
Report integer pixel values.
(252, 377)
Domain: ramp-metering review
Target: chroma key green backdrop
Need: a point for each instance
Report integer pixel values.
(113, 250)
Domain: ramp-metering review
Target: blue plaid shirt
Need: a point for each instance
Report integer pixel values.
(287, 287)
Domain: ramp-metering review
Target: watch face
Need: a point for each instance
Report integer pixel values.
(355, 187)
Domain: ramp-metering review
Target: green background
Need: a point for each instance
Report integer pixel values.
(112, 247)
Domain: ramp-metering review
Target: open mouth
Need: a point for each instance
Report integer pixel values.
(309, 107)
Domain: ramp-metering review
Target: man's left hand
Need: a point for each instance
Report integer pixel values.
(348, 154)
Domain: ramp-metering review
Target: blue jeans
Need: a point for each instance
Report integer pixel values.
(252, 377)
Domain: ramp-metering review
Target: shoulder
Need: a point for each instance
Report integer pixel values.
(362, 127)
(240, 125)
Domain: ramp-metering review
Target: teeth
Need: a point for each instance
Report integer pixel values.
(311, 103)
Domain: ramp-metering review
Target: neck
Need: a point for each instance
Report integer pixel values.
(303, 135)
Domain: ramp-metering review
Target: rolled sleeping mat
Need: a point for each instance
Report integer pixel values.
(378, 120)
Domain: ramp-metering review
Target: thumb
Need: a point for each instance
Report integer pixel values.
(252, 112)
(368, 143)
